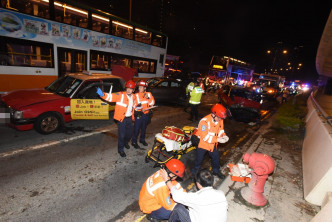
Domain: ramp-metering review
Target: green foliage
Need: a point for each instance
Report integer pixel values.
(291, 114)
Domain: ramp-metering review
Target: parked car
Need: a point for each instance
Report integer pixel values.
(47, 109)
(243, 104)
(167, 90)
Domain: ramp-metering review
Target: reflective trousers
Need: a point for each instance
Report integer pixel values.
(200, 156)
(125, 131)
(140, 125)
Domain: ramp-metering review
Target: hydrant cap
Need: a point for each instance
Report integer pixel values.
(246, 157)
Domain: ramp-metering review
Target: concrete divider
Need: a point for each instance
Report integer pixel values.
(317, 155)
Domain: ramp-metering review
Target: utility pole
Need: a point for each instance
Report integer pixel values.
(161, 15)
(130, 6)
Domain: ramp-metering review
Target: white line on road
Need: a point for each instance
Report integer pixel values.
(53, 143)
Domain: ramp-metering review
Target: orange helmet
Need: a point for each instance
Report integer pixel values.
(176, 167)
(142, 83)
(130, 84)
(219, 110)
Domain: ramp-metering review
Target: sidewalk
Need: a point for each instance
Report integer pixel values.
(283, 189)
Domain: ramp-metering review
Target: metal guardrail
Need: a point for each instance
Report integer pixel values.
(320, 109)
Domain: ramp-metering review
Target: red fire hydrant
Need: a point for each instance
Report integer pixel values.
(262, 166)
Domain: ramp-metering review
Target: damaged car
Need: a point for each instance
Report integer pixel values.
(244, 104)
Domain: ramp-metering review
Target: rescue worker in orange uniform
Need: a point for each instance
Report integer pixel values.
(154, 198)
(211, 132)
(123, 114)
(143, 100)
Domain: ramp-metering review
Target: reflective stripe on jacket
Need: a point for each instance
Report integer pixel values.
(190, 87)
(209, 131)
(121, 104)
(145, 102)
(155, 194)
(196, 95)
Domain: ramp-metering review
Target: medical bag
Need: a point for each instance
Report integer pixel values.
(173, 133)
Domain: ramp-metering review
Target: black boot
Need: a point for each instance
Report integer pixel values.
(136, 146)
(219, 174)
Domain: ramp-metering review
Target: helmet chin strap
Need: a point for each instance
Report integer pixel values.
(168, 173)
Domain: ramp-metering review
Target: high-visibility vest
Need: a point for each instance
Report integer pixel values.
(209, 131)
(196, 95)
(190, 87)
(121, 104)
(155, 194)
(145, 102)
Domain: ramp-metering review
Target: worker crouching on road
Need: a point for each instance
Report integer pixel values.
(211, 132)
(154, 198)
(123, 114)
(207, 204)
(143, 101)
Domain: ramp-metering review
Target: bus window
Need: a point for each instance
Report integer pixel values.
(100, 23)
(142, 36)
(158, 40)
(119, 60)
(32, 7)
(122, 30)
(26, 53)
(69, 14)
(141, 65)
(152, 67)
(71, 60)
(99, 60)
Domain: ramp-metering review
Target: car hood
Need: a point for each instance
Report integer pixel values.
(21, 98)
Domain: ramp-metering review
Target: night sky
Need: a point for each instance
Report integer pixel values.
(244, 30)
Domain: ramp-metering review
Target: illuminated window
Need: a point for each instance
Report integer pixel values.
(121, 29)
(142, 36)
(25, 53)
(99, 60)
(38, 8)
(100, 23)
(69, 14)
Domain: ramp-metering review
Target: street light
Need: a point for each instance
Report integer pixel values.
(276, 52)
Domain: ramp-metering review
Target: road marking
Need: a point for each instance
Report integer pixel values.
(141, 218)
(237, 143)
(52, 143)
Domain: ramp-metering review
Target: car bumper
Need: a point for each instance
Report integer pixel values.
(22, 125)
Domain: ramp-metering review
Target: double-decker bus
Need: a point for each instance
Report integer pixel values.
(226, 67)
(41, 40)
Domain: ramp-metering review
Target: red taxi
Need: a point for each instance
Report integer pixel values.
(46, 110)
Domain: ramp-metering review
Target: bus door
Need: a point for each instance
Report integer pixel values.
(71, 61)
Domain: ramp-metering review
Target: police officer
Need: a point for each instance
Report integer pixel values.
(189, 88)
(211, 132)
(123, 113)
(143, 100)
(194, 101)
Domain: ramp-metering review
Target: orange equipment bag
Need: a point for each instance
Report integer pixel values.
(173, 133)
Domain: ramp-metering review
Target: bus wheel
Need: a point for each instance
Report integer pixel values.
(47, 123)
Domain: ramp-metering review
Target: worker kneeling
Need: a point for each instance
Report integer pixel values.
(207, 204)
(154, 198)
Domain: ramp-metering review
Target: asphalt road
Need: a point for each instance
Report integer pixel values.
(77, 174)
